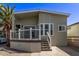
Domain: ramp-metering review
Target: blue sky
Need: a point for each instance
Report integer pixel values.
(72, 8)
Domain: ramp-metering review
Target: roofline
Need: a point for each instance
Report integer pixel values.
(53, 12)
(73, 24)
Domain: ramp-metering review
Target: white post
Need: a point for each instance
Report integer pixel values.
(49, 29)
(19, 34)
(10, 34)
(39, 34)
(30, 33)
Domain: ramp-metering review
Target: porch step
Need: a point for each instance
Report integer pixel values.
(45, 46)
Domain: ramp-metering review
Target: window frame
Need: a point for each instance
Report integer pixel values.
(62, 30)
(49, 28)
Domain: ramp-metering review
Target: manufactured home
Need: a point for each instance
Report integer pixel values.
(73, 34)
(38, 30)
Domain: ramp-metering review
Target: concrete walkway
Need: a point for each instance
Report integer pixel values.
(56, 51)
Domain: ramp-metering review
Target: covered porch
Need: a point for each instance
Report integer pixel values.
(26, 20)
(27, 25)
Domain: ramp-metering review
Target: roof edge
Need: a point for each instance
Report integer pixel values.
(73, 24)
(53, 12)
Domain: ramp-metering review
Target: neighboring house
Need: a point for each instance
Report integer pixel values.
(34, 26)
(73, 34)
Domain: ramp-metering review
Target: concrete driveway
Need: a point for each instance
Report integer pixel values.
(56, 51)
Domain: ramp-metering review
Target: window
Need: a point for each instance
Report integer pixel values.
(41, 29)
(51, 29)
(61, 28)
(18, 26)
(46, 27)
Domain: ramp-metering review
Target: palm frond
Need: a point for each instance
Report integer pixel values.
(6, 13)
(12, 9)
(3, 8)
(1, 13)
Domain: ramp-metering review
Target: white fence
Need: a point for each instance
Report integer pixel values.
(26, 34)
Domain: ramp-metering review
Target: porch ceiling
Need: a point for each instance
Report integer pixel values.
(25, 15)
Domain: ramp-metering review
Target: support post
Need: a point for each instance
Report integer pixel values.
(30, 33)
(19, 34)
(39, 34)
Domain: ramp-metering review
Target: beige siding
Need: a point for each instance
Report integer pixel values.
(73, 30)
(59, 38)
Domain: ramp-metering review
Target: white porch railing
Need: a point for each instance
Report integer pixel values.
(49, 40)
(27, 34)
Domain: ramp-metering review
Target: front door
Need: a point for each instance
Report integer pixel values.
(46, 27)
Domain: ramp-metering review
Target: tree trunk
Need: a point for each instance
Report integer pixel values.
(6, 30)
(8, 38)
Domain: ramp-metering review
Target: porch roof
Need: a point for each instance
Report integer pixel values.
(45, 11)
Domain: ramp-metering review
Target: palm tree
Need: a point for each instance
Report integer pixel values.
(6, 13)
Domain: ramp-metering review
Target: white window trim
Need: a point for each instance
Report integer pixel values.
(53, 29)
(62, 30)
(49, 28)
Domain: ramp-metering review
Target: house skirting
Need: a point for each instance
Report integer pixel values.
(26, 45)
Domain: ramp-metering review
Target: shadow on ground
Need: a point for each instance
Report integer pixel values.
(70, 50)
